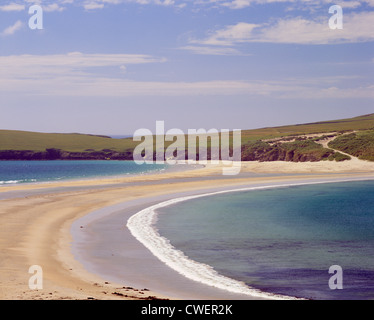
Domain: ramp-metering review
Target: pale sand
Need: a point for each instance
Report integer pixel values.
(35, 229)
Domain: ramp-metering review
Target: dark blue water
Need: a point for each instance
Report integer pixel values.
(283, 240)
(40, 171)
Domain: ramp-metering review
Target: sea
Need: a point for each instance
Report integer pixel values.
(298, 241)
(288, 241)
(15, 172)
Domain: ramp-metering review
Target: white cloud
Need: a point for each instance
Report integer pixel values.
(52, 7)
(100, 4)
(217, 51)
(12, 7)
(158, 2)
(349, 4)
(47, 6)
(84, 86)
(357, 28)
(75, 74)
(31, 2)
(369, 2)
(93, 6)
(64, 64)
(240, 32)
(304, 5)
(231, 4)
(12, 29)
(332, 93)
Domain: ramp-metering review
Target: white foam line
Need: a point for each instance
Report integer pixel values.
(142, 227)
(16, 181)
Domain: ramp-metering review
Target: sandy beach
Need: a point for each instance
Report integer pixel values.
(38, 222)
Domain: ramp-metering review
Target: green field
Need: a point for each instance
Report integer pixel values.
(364, 122)
(360, 144)
(13, 144)
(35, 141)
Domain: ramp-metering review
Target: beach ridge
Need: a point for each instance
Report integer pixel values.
(35, 229)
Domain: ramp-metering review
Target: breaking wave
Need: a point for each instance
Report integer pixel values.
(142, 227)
(16, 181)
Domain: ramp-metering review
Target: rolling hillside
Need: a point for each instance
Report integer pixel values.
(364, 122)
(299, 142)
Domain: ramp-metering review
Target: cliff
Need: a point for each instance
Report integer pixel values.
(57, 154)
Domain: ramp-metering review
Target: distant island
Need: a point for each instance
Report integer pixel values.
(335, 140)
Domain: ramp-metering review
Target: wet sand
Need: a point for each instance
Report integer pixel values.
(38, 223)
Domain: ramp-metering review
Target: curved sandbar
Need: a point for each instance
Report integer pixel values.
(35, 229)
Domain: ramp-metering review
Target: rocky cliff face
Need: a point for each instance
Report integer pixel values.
(56, 154)
(297, 151)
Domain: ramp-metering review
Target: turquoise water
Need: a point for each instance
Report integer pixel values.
(282, 240)
(12, 172)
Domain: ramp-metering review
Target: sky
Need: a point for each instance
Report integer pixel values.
(114, 66)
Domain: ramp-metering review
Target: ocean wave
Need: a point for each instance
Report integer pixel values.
(10, 181)
(142, 227)
(16, 181)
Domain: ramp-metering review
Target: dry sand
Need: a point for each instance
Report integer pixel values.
(35, 228)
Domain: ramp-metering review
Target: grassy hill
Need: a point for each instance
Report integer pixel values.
(364, 122)
(74, 142)
(300, 142)
(256, 144)
(360, 144)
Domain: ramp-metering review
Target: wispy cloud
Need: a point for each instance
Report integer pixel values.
(48, 6)
(93, 5)
(240, 4)
(357, 28)
(100, 4)
(19, 5)
(228, 36)
(76, 74)
(12, 29)
(12, 7)
(216, 51)
(83, 86)
(53, 7)
(67, 64)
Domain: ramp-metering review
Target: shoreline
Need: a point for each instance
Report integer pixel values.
(35, 228)
(270, 167)
(143, 227)
(104, 225)
(97, 178)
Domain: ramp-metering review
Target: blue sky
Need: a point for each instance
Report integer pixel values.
(114, 66)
